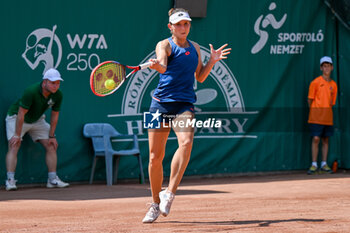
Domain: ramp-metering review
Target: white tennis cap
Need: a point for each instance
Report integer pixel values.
(326, 59)
(178, 16)
(52, 75)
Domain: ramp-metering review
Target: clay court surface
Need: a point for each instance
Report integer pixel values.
(266, 203)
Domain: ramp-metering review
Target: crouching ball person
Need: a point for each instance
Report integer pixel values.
(179, 63)
(26, 115)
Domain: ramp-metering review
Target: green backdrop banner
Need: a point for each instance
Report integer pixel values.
(259, 93)
(343, 56)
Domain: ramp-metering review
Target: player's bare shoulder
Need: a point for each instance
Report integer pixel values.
(196, 45)
(165, 46)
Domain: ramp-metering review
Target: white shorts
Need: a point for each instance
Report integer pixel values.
(37, 130)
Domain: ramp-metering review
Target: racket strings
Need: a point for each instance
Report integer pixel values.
(108, 71)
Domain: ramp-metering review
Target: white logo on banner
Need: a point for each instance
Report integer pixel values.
(288, 42)
(39, 49)
(44, 47)
(262, 22)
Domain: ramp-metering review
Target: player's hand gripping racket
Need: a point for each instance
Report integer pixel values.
(108, 76)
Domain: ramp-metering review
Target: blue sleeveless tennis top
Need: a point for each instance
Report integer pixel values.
(176, 84)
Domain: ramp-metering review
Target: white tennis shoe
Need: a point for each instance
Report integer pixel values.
(11, 184)
(166, 199)
(56, 183)
(152, 214)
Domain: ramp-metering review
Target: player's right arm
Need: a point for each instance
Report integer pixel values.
(309, 101)
(312, 93)
(16, 138)
(163, 50)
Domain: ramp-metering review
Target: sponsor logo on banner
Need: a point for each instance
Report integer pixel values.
(44, 47)
(219, 109)
(293, 42)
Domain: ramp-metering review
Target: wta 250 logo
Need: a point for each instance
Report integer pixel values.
(44, 47)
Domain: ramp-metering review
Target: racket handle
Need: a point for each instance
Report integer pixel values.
(139, 67)
(145, 65)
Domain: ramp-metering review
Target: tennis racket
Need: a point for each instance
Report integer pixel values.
(108, 76)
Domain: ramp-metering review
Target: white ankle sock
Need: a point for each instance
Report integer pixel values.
(52, 175)
(10, 175)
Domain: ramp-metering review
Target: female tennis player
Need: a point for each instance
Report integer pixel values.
(178, 62)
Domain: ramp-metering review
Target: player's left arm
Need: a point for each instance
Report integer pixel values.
(203, 71)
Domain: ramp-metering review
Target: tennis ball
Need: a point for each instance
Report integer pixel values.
(110, 84)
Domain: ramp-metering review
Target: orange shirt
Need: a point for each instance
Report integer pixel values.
(324, 94)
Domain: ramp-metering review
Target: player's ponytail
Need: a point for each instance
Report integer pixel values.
(171, 11)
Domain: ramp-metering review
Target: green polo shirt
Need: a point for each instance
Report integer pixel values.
(33, 100)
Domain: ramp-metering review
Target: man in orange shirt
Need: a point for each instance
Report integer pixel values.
(321, 99)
